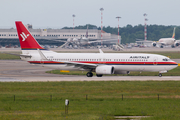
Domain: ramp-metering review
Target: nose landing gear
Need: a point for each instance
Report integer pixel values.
(160, 75)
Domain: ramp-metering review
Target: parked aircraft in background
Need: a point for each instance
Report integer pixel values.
(118, 47)
(167, 41)
(77, 41)
(83, 41)
(100, 63)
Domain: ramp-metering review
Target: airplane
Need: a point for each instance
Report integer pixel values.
(118, 47)
(100, 63)
(77, 41)
(83, 41)
(167, 41)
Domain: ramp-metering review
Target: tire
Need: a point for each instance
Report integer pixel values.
(99, 75)
(89, 74)
(160, 75)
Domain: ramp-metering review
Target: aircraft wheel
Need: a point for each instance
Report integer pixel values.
(89, 74)
(160, 75)
(161, 46)
(99, 75)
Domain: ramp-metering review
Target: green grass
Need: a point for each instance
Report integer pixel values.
(4, 56)
(173, 72)
(32, 100)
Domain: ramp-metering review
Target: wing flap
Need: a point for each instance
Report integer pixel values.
(80, 65)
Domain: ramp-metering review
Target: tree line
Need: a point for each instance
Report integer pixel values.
(130, 33)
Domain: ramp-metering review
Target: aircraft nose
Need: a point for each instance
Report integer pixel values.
(175, 64)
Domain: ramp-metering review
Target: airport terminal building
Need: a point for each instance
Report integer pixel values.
(51, 36)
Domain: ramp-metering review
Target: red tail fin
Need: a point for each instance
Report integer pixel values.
(26, 40)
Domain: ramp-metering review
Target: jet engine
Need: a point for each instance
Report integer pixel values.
(176, 44)
(75, 40)
(69, 40)
(104, 69)
(154, 44)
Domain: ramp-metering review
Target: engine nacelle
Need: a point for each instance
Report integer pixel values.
(154, 44)
(75, 40)
(176, 44)
(104, 69)
(70, 40)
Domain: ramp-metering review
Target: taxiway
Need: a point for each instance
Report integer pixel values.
(22, 71)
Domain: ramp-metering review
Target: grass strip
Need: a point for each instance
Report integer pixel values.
(90, 100)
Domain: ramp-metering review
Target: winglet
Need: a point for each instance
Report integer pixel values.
(100, 51)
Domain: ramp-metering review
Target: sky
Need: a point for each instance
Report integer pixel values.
(58, 13)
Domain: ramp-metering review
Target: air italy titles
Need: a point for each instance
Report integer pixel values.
(140, 57)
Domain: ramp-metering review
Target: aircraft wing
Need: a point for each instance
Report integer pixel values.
(143, 40)
(178, 41)
(100, 40)
(81, 65)
(73, 64)
(64, 44)
(161, 43)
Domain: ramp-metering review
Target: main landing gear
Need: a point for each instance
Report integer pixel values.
(99, 75)
(90, 74)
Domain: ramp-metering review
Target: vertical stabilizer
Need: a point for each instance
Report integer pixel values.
(173, 36)
(27, 41)
(87, 32)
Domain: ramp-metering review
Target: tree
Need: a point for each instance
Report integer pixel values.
(130, 33)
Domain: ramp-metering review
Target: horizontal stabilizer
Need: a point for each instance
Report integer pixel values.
(20, 55)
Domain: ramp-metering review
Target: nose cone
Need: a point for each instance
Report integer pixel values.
(173, 65)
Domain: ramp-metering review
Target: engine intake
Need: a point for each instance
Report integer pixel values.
(154, 44)
(177, 44)
(104, 69)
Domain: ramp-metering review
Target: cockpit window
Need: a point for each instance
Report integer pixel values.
(166, 59)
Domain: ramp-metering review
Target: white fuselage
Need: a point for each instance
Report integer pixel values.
(167, 41)
(120, 61)
(84, 41)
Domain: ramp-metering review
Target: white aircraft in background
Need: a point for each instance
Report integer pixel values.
(167, 41)
(100, 63)
(83, 41)
(77, 41)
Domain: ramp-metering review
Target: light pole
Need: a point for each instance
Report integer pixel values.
(145, 27)
(73, 20)
(101, 9)
(118, 27)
